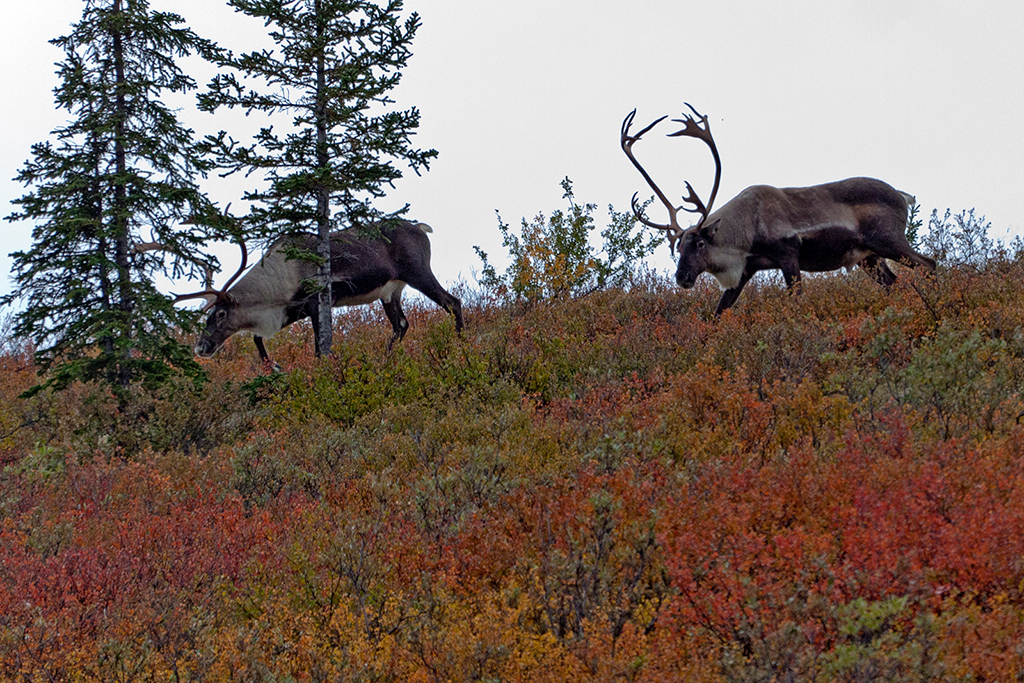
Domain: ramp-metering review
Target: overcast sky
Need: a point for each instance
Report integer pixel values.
(927, 95)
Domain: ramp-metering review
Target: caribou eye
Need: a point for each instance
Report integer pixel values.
(701, 244)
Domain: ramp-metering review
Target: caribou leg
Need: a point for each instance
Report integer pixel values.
(433, 290)
(908, 257)
(789, 263)
(258, 340)
(268, 364)
(399, 323)
(792, 279)
(879, 270)
(730, 295)
(887, 238)
(313, 310)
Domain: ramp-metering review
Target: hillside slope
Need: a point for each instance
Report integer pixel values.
(821, 487)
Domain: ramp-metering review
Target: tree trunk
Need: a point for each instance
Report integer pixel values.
(323, 325)
(125, 302)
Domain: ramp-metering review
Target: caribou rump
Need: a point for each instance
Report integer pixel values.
(273, 295)
(857, 221)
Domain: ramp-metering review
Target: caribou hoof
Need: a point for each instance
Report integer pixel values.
(271, 367)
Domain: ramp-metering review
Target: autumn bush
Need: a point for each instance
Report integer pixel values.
(552, 257)
(617, 486)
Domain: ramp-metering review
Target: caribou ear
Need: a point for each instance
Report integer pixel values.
(709, 230)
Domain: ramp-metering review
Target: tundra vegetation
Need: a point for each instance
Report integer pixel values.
(616, 486)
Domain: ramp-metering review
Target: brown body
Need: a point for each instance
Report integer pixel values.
(858, 221)
(273, 295)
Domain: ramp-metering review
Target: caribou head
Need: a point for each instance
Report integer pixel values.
(222, 309)
(695, 126)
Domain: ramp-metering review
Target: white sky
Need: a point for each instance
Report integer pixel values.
(927, 95)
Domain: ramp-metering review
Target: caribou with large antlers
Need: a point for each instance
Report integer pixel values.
(857, 221)
(273, 294)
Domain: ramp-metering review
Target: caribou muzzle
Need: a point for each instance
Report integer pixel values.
(686, 280)
(205, 348)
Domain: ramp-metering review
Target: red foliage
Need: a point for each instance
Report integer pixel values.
(615, 488)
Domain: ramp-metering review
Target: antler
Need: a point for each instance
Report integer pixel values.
(154, 245)
(210, 293)
(143, 247)
(695, 126)
(701, 131)
(627, 141)
(214, 295)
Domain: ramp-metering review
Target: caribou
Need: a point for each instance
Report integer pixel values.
(364, 269)
(853, 222)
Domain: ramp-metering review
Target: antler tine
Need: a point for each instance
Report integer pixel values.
(624, 129)
(215, 295)
(245, 252)
(241, 268)
(673, 235)
(210, 294)
(143, 247)
(208, 274)
(626, 141)
(692, 198)
(697, 126)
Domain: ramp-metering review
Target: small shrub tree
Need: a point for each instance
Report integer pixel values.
(552, 257)
(959, 240)
(914, 225)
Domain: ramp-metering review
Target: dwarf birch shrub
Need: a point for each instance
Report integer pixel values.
(552, 257)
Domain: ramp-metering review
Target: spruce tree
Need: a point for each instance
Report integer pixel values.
(334, 63)
(109, 193)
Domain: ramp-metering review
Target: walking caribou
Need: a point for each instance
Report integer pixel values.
(273, 295)
(857, 221)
